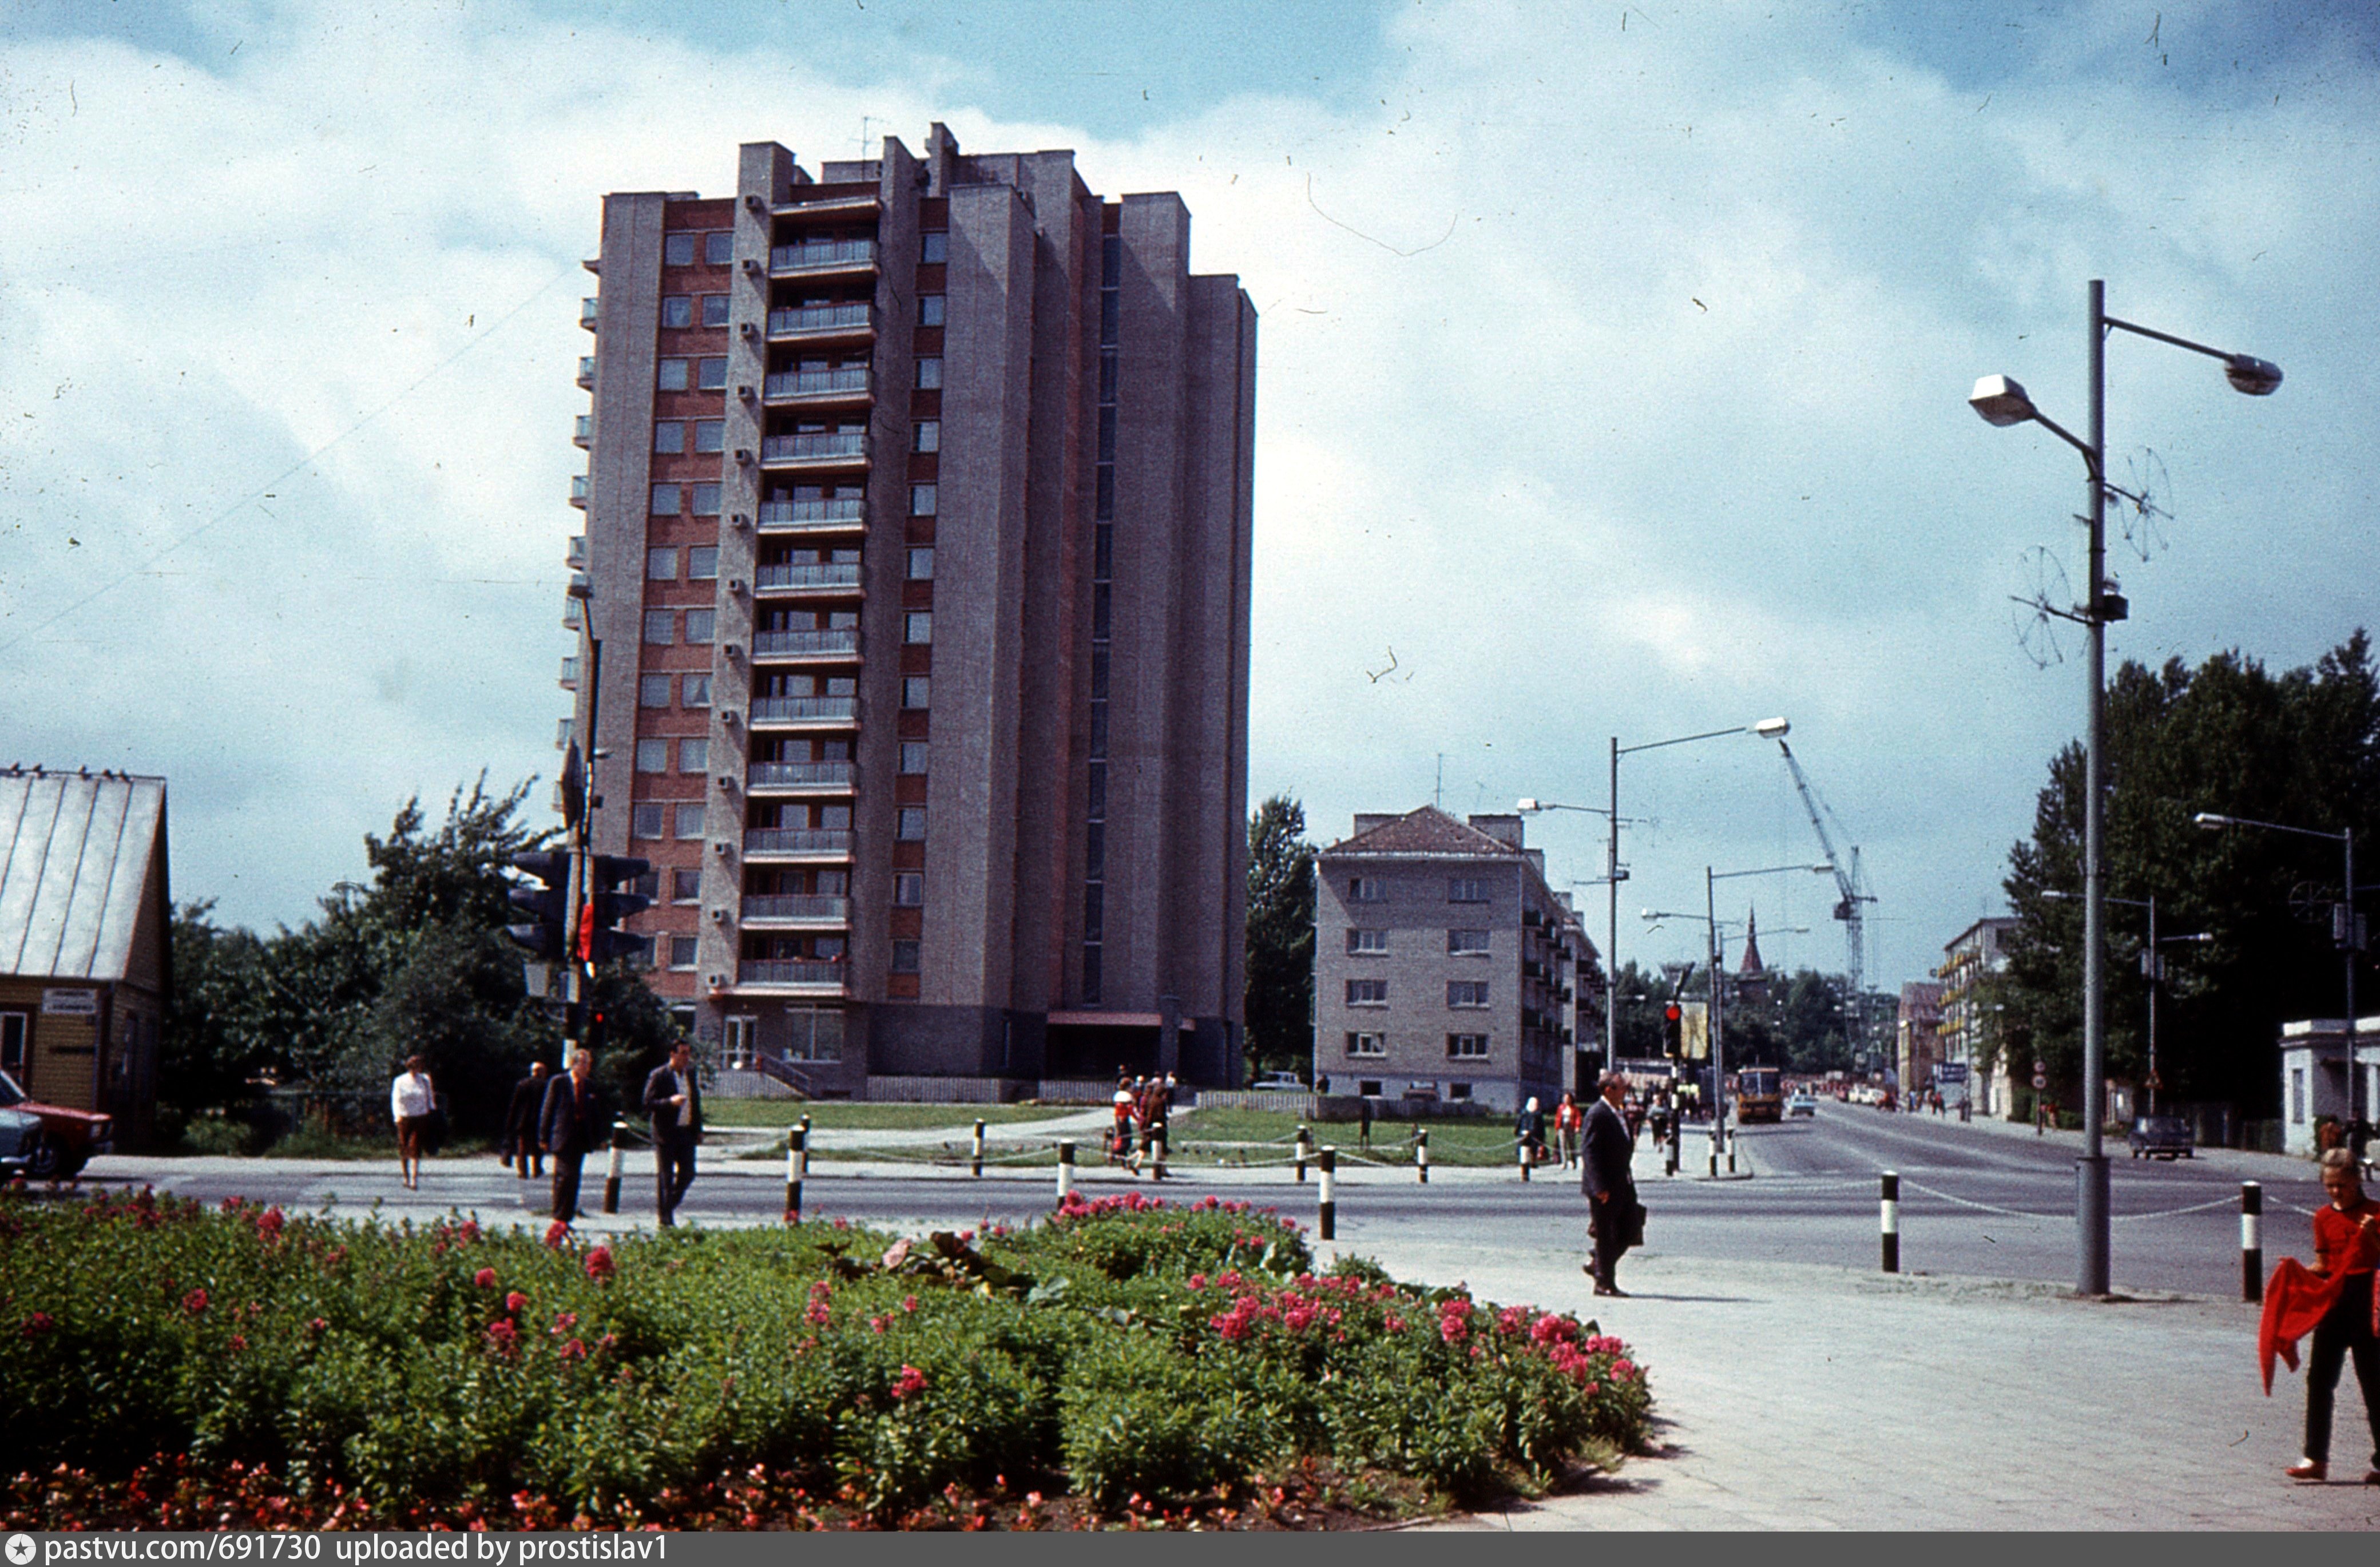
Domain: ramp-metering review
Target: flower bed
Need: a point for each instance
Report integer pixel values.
(1125, 1359)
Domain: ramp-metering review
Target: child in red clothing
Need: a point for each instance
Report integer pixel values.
(2346, 1248)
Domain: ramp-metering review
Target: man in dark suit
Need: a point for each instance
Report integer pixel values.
(1608, 1184)
(521, 1148)
(567, 1127)
(674, 1100)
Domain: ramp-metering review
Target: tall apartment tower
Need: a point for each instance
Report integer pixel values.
(918, 543)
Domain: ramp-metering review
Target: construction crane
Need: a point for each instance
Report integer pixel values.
(1850, 893)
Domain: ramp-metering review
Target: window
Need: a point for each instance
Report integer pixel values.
(669, 436)
(1368, 992)
(685, 886)
(909, 824)
(929, 310)
(923, 499)
(669, 375)
(918, 627)
(1466, 992)
(719, 248)
(908, 889)
(710, 375)
(700, 624)
(1466, 1047)
(1466, 890)
(714, 309)
(706, 502)
(1459, 1091)
(1467, 942)
(913, 756)
(677, 310)
(681, 951)
(914, 690)
(653, 756)
(922, 564)
(677, 249)
(1367, 890)
(905, 958)
(930, 374)
(934, 247)
(702, 561)
(928, 436)
(665, 500)
(709, 434)
(698, 690)
(645, 822)
(661, 565)
(652, 690)
(689, 821)
(661, 628)
(693, 756)
(1367, 941)
(2297, 1096)
(1368, 1044)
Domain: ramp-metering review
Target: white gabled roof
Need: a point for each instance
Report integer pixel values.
(75, 851)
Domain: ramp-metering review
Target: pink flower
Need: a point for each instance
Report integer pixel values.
(503, 1336)
(843, 1223)
(238, 1343)
(194, 1303)
(39, 1323)
(515, 1301)
(599, 1264)
(555, 1232)
(1198, 1280)
(574, 1350)
(1396, 1324)
(562, 1323)
(1623, 1370)
(1512, 1319)
(911, 1383)
(1298, 1319)
(908, 1303)
(269, 1223)
(1453, 1329)
(485, 1278)
(316, 1325)
(877, 1324)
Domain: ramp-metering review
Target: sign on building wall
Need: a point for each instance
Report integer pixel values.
(1693, 1030)
(70, 1004)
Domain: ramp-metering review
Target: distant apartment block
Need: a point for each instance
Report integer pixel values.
(1446, 965)
(1969, 1025)
(1916, 1035)
(917, 536)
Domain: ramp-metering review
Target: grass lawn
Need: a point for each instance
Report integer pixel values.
(1206, 1135)
(842, 1116)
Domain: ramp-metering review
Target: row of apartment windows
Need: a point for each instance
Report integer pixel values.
(717, 246)
(680, 310)
(710, 375)
(668, 500)
(701, 626)
(1459, 889)
(701, 565)
(1375, 942)
(669, 436)
(654, 690)
(1095, 830)
(1459, 1046)
(1459, 993)
(693, 754)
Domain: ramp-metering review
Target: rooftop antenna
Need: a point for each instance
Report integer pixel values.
(1438, 797)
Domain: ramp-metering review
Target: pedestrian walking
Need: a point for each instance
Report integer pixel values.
(1119, 1137)
(2334, 1297)
(412, 1103)
(1156, 1110)
(521, 1149)
(1529, 1131)
(568, 1125)
(674, 1100)
(1613, 1217)
(1634, 1114)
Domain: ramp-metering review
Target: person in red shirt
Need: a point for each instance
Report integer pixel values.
(2346, 1247)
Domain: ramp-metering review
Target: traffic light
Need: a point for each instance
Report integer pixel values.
(600, 939)
(1674, 1030)
(548, 905)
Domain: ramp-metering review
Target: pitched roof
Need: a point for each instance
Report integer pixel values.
(1428, 831)
(1751, 963)
(74, 852)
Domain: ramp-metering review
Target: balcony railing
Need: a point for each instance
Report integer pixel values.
(575, 555)
(804, 644)
(587, 313)
(586, 370)
(789, 971)
(797, 841)
(578, 490)
(848, 316)
(569, 681)
(800, 775)
(796, 905)
(795, 516)
(816, 383)
(815, 447)
(790, 577)
(814, 254)
(582, 429)
(803, 710)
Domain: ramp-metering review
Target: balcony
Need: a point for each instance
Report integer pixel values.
(587, 370)
(838, 447)
(578, 490)
(573, 555)
(809, 256)
(800, 321)
(582, 431)
(587, 313)
(834, 843)
(804, 517)
(788, 908)
(804, 578)
(840, 712)
(569, 681)
(795, 385)
(803, 972)
(767, 777)
(842, 644)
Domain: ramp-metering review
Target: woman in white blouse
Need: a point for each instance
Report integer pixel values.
(412, 1100)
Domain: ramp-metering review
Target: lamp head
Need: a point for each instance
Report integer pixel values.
(2213, 822)
(2252, 376)
(1527, 808)
(2002, 401)
(1772, 728)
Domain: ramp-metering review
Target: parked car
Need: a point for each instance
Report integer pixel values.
(1802, 1104)
(1278, 1082)
(2161, 1136)
(20, 1140)
(68, 1138)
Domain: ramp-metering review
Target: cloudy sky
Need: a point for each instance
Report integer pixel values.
(1613, 359)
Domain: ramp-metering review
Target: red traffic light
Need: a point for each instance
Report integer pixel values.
(1672, 1013)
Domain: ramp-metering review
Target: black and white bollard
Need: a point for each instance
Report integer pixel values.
(798, 1169)
(612, 1178)
(1421, 1153)
(1889, 1208)
(1731, 1150)
(1157, 1146)
(1065, 1173)
(978, 1147)
(1327, 1216)
(1305, 1148)
(1523, 1144)
(2252, 1241)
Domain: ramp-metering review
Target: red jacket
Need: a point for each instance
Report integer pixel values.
(2297, 1297)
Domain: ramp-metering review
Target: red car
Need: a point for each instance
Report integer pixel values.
(68, 1138)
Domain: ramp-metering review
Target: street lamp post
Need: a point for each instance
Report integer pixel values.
(2002, 401)
(2152, 970)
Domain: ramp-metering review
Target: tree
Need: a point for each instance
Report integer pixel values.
(1280, 999)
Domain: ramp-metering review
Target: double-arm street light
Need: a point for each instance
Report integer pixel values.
(2152, 969)
(2002, 401)
(1766, 728)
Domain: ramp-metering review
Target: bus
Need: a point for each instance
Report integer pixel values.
(1759, 1095)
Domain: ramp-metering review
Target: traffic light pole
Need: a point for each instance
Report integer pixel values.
(582, 815)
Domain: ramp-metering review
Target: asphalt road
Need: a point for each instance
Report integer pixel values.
(1976, 1200)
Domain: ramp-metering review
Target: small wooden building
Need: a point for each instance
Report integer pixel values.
(85, 921)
